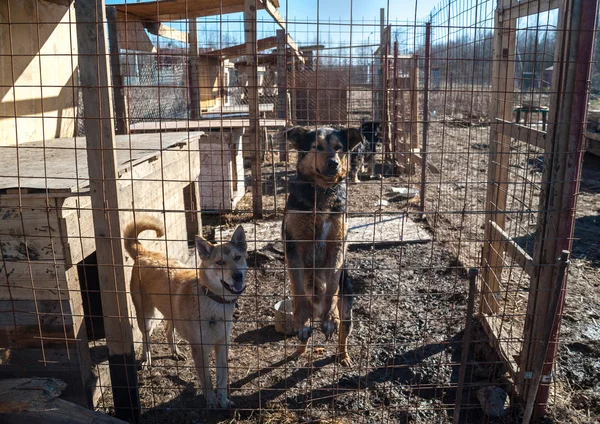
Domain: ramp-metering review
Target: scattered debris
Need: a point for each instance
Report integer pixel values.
(405, 192)
(494, 401)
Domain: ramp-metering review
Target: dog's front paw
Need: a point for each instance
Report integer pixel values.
(225, 403)
(302, 326)
(304, 334)
(329, 326)
(344, 360)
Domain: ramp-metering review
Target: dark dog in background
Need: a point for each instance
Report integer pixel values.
(314, 232)
(365, 151)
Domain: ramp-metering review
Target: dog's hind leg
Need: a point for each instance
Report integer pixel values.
(344, 305)
(201, 355)
(146, 318)
(169, 329)
(222, 375)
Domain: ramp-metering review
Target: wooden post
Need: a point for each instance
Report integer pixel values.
(503, 85)
(387, 121)
(562, 172)
(282, 112)
(193, 71)
(293, 116)
(426, 73)
(103, 175)
(395, 138)
(414, 114)
(253, 130)
(118, 85)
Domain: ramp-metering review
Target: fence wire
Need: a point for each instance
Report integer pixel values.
(166, 117)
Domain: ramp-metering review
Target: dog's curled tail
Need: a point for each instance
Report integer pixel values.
(135, 228)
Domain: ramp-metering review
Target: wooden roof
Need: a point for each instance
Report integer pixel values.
(172, 10)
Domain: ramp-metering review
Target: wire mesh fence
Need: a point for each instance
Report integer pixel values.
(367, 220)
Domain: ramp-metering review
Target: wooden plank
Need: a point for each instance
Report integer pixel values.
(512, 249)
(35, 400)
(20, 279)
(526, 8)
(165, 31)
(65, 162)
(250, 31)
(493, 327)
(522, 133)
(503, 83)
(240, 49)
(120, 98)
(103, 172)
(173, 10)
(271, 7)
(61, 411)
(130, 33)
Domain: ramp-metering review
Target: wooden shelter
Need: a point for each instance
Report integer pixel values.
(48, 246)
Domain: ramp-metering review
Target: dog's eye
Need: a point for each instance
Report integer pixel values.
(320, 148)
(220, 262)
(238, 257)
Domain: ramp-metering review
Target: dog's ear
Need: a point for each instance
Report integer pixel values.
(239, 238)
(299, 138)
(353, 138)
(203, 247)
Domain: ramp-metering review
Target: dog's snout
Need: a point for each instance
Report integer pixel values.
(332, 164)
(237, 277)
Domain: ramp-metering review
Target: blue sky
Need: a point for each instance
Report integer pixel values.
(333, 17)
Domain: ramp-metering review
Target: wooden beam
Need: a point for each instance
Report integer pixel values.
(281, 75)
(193, 71)
(240, 49)
(250, 30)
(174, 10)
(312, 48)
(102, 165)
(532, 7)
(118, 85)
(522, 133)
(165, 31)
(511, 248)
(503, 83)
(272, 10)
(36, 400)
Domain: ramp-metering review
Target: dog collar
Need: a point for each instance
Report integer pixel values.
(216, 297)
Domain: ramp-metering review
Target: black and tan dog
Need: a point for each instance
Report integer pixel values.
(314, 232)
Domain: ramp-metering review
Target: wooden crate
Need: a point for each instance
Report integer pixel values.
(49, 287)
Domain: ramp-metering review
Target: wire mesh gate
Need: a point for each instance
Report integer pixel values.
(188, 114)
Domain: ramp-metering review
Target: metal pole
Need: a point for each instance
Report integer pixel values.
(426, 72)
(394, 154)
(473, 272)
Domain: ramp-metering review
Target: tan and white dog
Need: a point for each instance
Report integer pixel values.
(198, 303)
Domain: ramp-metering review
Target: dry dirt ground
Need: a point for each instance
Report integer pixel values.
(409, 310)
